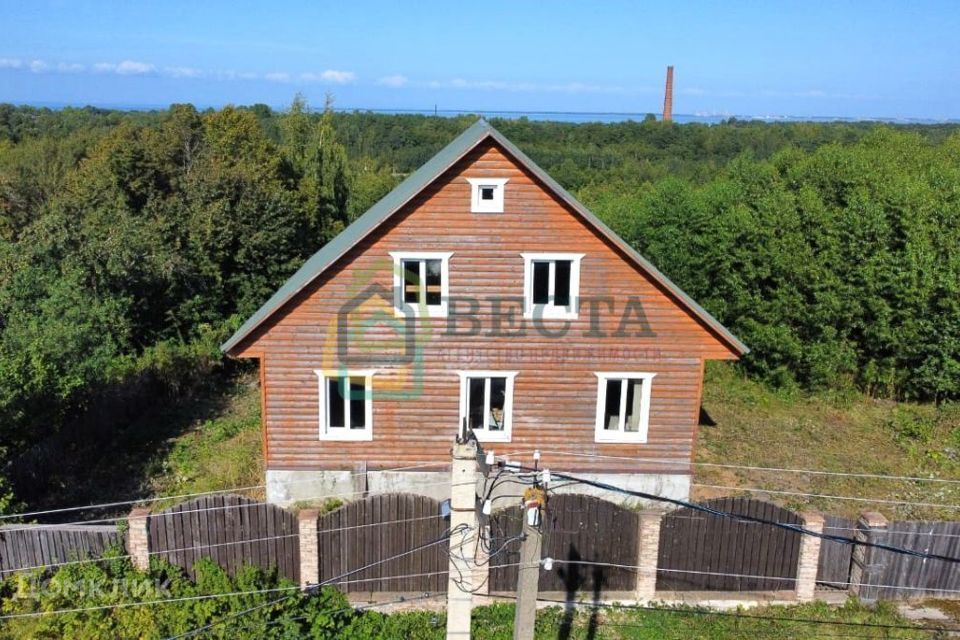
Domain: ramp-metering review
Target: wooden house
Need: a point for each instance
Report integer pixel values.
(478, 293)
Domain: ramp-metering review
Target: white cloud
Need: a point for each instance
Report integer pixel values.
(38, 66)
(395, 81)
(330, 75)
(70, 67)
(278, 76)
(183, 72)
(10, 63)
(125, 68)
(501, 85)
(133, 68)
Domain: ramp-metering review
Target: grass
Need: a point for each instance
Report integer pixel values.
(757, 426)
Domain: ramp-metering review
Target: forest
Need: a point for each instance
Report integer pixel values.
(133, 243)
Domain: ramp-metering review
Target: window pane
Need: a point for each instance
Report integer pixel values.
(541, 282)
(611, 412)
(498, 401)
(434, 270)
(561, 290)
(475, 403)
(411, 281)
(486, 193)
(634, 399)
(335, 408)
(358, 404)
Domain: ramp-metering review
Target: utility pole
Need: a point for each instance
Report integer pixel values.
(528, 578)
(463, 528)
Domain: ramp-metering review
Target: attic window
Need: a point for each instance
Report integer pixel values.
(421, 283)
(551, 285)
(487, 194)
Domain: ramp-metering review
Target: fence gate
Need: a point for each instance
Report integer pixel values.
(577, 528)
(366, 532)
(230, 530)
(700, 552)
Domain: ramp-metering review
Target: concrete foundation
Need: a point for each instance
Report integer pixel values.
(287, 488)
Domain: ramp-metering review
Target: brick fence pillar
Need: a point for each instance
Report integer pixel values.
(648, 550)
(809, 559)
(865, 569)
(309, 541)
(138, 538)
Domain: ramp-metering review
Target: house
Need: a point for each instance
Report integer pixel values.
(477, 293)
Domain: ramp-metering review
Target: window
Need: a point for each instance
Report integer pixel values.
(421, 283)
(486, 403)
(346, 405)
(486, 194)
(623, 406)
(551, 285)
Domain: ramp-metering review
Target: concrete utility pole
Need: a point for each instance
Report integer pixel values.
(463, 529)
(668, 96)
(528, 577)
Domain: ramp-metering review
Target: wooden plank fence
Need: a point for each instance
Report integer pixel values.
(700, 552)
(576, 528)
(895, 573)
(696, 551)
(833, 568)
(231, 530)
(25, 547)
(368, 531)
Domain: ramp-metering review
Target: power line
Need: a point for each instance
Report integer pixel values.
(167, 514)
(829, 497)
(120, 503)
(781, 525)
(201, 547)
(846, 474)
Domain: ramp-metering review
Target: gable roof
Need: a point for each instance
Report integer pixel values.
(413, 185)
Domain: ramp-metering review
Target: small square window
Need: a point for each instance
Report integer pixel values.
(486, 194)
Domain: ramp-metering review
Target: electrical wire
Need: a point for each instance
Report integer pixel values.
(781, 525)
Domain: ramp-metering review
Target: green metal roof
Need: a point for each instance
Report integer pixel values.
(414, 184)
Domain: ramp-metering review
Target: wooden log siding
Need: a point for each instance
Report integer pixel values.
(368, 531)
(555, 391)
(833, 570)
(903, 577)
(699, 552)
(230, 530)
(25, 547)
(579, 528)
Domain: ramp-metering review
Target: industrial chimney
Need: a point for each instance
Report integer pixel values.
(668, 96)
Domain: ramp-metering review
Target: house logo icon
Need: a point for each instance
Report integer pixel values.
(369, 332)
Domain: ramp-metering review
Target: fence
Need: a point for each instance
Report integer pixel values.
(702, 552)
(577, 528)
(231, 530)
(368, 531)
(647, 553)
(28, 547)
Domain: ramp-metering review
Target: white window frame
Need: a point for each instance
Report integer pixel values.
(549, 310)
(484, 435)
(403, 309)
(345, 433)
(477, 204)
(639, 436)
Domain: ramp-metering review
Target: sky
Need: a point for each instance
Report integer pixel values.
(733, 57)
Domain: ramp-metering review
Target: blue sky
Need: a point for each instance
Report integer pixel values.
(808, 58)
